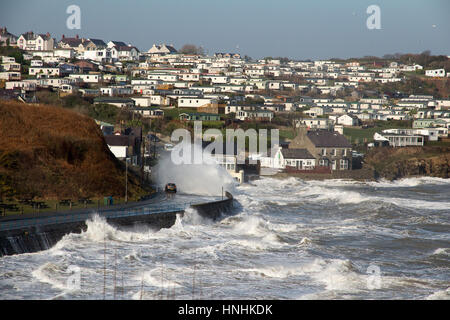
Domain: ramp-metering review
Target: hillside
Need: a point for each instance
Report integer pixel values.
(395, 163)
(50, 152)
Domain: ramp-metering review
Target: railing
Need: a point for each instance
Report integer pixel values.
(79, 217)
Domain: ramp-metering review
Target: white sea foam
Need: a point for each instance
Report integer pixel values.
(440, 295)
(442, 252)
(158, 277)
(98, 230)
(54, 274)
(408, 182)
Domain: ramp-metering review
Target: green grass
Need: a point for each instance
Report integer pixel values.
(286, 134)
(174, 113)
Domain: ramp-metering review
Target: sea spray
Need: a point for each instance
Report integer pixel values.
(207, 178)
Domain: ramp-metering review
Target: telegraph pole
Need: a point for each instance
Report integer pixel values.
(126, 180)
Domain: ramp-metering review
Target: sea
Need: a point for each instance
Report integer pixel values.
(285, 239)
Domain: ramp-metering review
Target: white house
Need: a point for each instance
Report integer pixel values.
(32, 41)
(194, 102)
(347, 120)
(435, 73)
(261, 115)
(45, 71)
(299, 159)
(24, 85)
(87, 78)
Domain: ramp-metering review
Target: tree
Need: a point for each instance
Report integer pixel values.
(192, 49)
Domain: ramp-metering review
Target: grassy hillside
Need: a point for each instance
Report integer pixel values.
(49, 152)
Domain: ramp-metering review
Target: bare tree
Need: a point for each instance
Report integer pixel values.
(192, 49)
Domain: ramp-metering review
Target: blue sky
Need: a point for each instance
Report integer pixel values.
(312, 29)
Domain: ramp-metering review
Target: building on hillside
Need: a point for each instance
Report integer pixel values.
(299, 159)
(435, 73)
(162, 49)
(330, 149)
(7, 38)
(32, 41)
(197, 116)
(399, 139)
(118, 102)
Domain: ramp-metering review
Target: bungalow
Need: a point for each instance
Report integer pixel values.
(258, 115)
(190, 102)
(191, 116)
(399, 139)
(118, 102)
(435, 73)
(300, 159)
(87, 78)
(148, 112)
(428, 123)
(348, 120)
(116, 91)
(45, 71)
(316, 123)
(23, 85)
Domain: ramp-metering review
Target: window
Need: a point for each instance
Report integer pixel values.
(323, 163)
(324, 152)
(344, 152)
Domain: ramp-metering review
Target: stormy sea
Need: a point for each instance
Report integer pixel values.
(286, 239)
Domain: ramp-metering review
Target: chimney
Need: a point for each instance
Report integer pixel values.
(63, 36)
(48, 34)
(76, 36)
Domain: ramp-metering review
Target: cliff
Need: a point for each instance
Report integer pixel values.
(395, 163)
(50, 152)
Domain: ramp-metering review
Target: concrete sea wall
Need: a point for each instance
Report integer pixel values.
(214, 210)
(32, 233)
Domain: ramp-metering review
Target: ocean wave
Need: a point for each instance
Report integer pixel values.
(439, 295)
(441, 252)
(408, 182)
(157, 277)
(55, 275)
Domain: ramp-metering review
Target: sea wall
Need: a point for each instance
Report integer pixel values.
(214, 210)
(33, 238)
(32, 233)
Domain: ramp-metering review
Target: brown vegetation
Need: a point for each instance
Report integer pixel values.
(394, 163)
(50, 152)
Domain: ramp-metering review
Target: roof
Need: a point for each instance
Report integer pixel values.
(125, 48)
(296, 154)
(98, 42)
(323, 138)
(119, 43)
(113, 100)
(72, 42)
(117, 140)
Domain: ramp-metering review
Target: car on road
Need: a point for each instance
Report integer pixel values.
(171, 188)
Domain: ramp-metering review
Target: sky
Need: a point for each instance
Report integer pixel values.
(308, 29)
